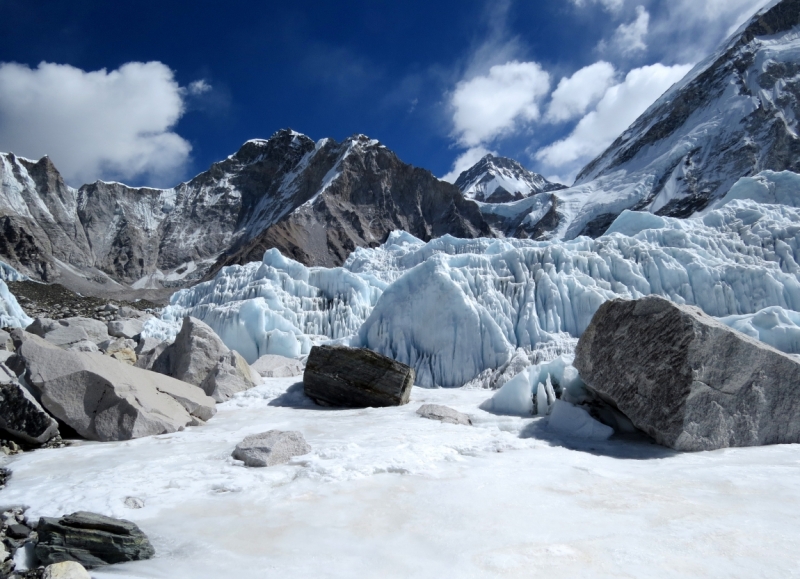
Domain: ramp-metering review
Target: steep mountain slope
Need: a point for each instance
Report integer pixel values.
(316, 202)
(500, 180)
(734, 115)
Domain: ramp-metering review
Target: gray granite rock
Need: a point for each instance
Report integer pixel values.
(20, 414)
(69, 331)
(83, 346)
(195, 352)
(444, 414)
(90, 539)
(147, 359)
(271, 448)
(356, 378)
(146, 345)
(66, 570)
(103, 399)
(273, 366)
(232, 374)
(127, 328)
(688, 380)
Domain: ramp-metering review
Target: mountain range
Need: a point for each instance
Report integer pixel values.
(734, 115)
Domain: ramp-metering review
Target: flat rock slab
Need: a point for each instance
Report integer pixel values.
(129, 328)
(103, 399)
(444, 414)
(356, 378)
(271, 448)
(90, 539)
(688, 380)
(273, 366)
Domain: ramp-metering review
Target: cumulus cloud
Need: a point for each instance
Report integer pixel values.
(620, 106)
(100, 124)
(465, 161)
(628, 39)
(574, 95)
(494, 104)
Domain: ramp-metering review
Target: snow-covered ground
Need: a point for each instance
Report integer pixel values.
(386, 493)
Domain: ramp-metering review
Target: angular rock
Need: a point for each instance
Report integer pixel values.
(273, 366)
(232, 374)
(95, 329)
(103, 399)
(84, 346)
(686, 379)
(195, 352)
(41, 326)
(271, 448)
(444, 414)
(147, 359)
(66, 570)
(20, 414)
(146, 345)
(356, 378)
(69, 331)
(90, 539)
(122, 349)
(128, 328)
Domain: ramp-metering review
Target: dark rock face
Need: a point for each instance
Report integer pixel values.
(21, 415)
(90, 539)
(315, 202)
(356, 378)
(688, 380)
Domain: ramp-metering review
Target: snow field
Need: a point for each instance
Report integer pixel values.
(386, 493)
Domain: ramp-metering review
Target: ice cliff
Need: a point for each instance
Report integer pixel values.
(456, 308)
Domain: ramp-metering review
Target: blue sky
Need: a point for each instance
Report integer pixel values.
(154, 92)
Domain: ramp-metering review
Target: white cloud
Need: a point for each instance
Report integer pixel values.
(574, 95)
(113, 125)
(465, 161)
(486, 107)
(617, 110)
(610, 5)
(199, 87)
(629, 38)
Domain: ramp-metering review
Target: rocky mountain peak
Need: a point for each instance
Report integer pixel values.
(496, 179)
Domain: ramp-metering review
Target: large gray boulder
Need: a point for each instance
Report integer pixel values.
(232, 374)
(20, 414)
(90, 539)
(271, 448)
(356, 378)
(66, 570)
(103, 399)
(274, 366)
(686, 379)
(64, 333)
(195, 352)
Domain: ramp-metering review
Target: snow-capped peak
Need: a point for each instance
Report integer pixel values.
(500, 179)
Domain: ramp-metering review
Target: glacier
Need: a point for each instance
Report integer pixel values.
(459, 309)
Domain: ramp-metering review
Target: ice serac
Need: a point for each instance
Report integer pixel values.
(314, 201)
(734, 115)
(457, 310)
(688, 380)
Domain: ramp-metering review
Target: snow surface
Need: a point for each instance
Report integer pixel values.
(455, 309)
(385, 493)
(11, 314)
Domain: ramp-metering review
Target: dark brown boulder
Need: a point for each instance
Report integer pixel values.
(356, 378)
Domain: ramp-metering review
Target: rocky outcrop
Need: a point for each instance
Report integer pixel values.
(103, 399)
(443, 414)
(126, 328)
(686, 379)
(273, 366)
(356, 378)
(90, 539)
(271, 448)
(20, 414)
